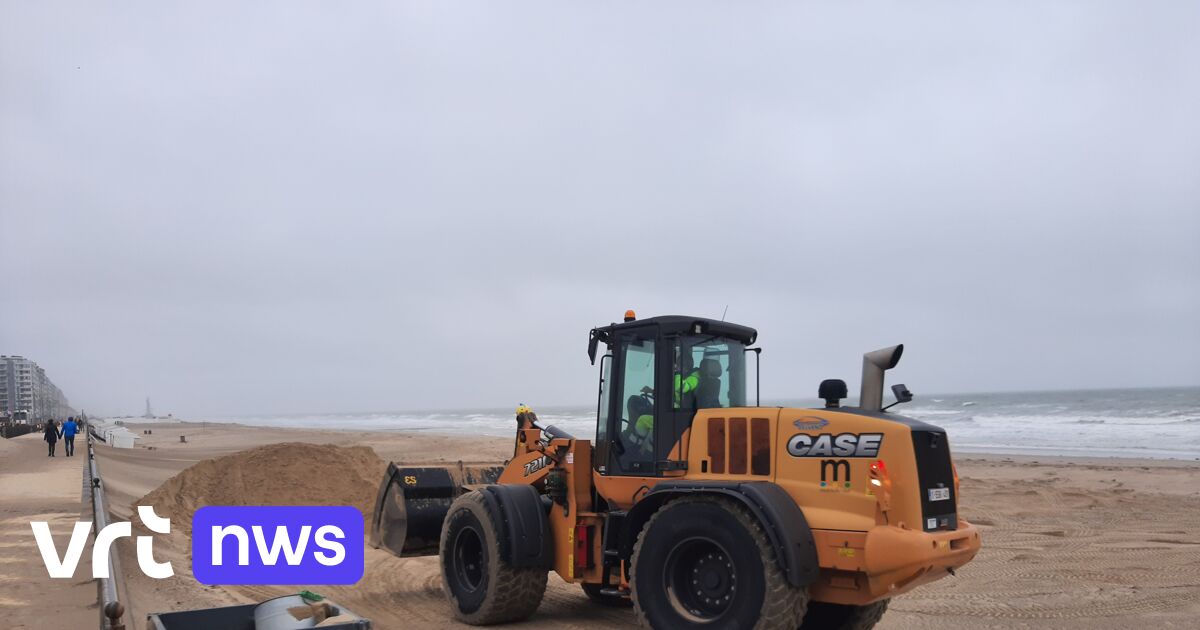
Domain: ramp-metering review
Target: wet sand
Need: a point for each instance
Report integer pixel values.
(1068, 543)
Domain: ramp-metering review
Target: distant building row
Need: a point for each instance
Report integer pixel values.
(26, 392)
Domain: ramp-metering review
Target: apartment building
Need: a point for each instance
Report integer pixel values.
(26, 391)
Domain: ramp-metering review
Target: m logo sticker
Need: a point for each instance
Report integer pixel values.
(835, 474)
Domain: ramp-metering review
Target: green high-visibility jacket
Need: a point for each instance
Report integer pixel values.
(684, 385)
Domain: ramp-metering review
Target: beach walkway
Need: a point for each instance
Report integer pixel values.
(34, 487)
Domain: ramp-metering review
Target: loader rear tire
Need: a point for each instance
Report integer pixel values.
(824, 616)
(483, 589)
(705, 562)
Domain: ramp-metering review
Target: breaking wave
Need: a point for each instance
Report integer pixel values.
(1130, 423)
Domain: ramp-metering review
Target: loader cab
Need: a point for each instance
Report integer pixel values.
(654, 374)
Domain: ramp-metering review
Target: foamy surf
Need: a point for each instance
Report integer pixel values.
(1156, 423)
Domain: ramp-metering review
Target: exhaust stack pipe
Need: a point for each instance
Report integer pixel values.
(875, 363)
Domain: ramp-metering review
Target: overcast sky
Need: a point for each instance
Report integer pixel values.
(282, 207)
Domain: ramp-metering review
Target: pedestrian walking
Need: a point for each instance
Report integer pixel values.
(50, 433)
(69, 429)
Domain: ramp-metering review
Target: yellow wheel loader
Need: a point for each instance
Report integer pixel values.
(691, 506)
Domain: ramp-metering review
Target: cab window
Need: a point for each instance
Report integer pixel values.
(602, 402)
(637, 418)
(709, 372)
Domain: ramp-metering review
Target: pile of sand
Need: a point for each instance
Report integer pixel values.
(279, 474)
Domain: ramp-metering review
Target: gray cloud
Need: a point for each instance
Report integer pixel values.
(301, 206)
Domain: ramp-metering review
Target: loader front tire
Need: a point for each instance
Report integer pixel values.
(481, 588)
(825, 616)
(706, 562)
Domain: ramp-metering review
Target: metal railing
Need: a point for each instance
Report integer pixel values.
(111, 609)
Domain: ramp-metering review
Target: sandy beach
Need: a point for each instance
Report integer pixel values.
(1069, 543)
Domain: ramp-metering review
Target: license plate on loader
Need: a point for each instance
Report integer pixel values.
(939, 494)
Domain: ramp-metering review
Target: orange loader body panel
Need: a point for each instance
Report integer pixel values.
(866, 553)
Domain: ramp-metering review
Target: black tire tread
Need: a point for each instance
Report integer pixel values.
(867, 616)
(516, 593)
(847, 617)
(783, 604)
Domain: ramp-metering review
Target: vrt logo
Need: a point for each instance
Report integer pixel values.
(65, 567)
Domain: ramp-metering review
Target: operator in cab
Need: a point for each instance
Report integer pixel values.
(642, 408)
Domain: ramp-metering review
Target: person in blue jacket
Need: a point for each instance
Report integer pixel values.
(69, 429)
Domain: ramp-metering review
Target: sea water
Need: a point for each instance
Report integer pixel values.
(1150, 423)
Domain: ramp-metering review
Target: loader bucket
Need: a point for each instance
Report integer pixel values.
(413, 502)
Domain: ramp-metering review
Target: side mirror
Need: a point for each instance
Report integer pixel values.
(593, 342)
(902, 395)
